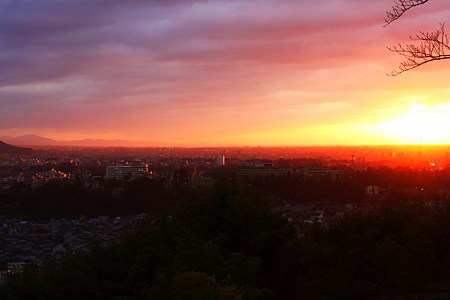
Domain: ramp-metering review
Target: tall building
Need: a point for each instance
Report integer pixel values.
(121, 172)
(220, 160)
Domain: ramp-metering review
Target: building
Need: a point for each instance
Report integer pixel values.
(16, 267)
(220, 160)
(262, 171)
(125, 172)
(321, 174)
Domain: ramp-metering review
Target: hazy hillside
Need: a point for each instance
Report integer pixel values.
(35, 140)
(7, 148)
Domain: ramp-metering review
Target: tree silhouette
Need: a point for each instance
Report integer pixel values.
(431, 46)
(400, 7)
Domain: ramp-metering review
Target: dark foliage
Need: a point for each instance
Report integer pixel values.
(224, 245)
(58, 198)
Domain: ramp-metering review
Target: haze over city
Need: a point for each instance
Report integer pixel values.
(219, 73)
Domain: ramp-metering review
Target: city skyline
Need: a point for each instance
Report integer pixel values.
(219, 73)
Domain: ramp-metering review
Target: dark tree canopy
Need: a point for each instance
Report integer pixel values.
(428, 46)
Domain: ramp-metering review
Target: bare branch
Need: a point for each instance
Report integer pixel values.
(433, 46)
(399, 8)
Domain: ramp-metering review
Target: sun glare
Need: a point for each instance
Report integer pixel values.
(421, 123)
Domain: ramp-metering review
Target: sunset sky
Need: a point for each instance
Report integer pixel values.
(215, 73)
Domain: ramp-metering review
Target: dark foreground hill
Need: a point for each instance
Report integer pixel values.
(10, 149)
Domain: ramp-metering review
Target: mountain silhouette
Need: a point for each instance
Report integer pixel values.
(36, 140)
(10, 149)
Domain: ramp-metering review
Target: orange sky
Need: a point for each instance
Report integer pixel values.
(209, 73)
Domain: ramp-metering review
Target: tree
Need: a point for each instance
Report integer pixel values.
(431, 46)
(400, 7)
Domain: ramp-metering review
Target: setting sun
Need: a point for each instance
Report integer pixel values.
(421, 123)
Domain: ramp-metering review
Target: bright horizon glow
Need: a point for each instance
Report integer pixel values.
(421, 124)
(414, 124)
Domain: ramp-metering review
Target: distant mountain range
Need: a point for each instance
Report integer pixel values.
(35, 140)
(10, 149)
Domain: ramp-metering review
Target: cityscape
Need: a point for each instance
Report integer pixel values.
(60, 201)
(224, 150)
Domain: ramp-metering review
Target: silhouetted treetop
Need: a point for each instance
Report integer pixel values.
(399, 8)
(429, 46)
(432, 46)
